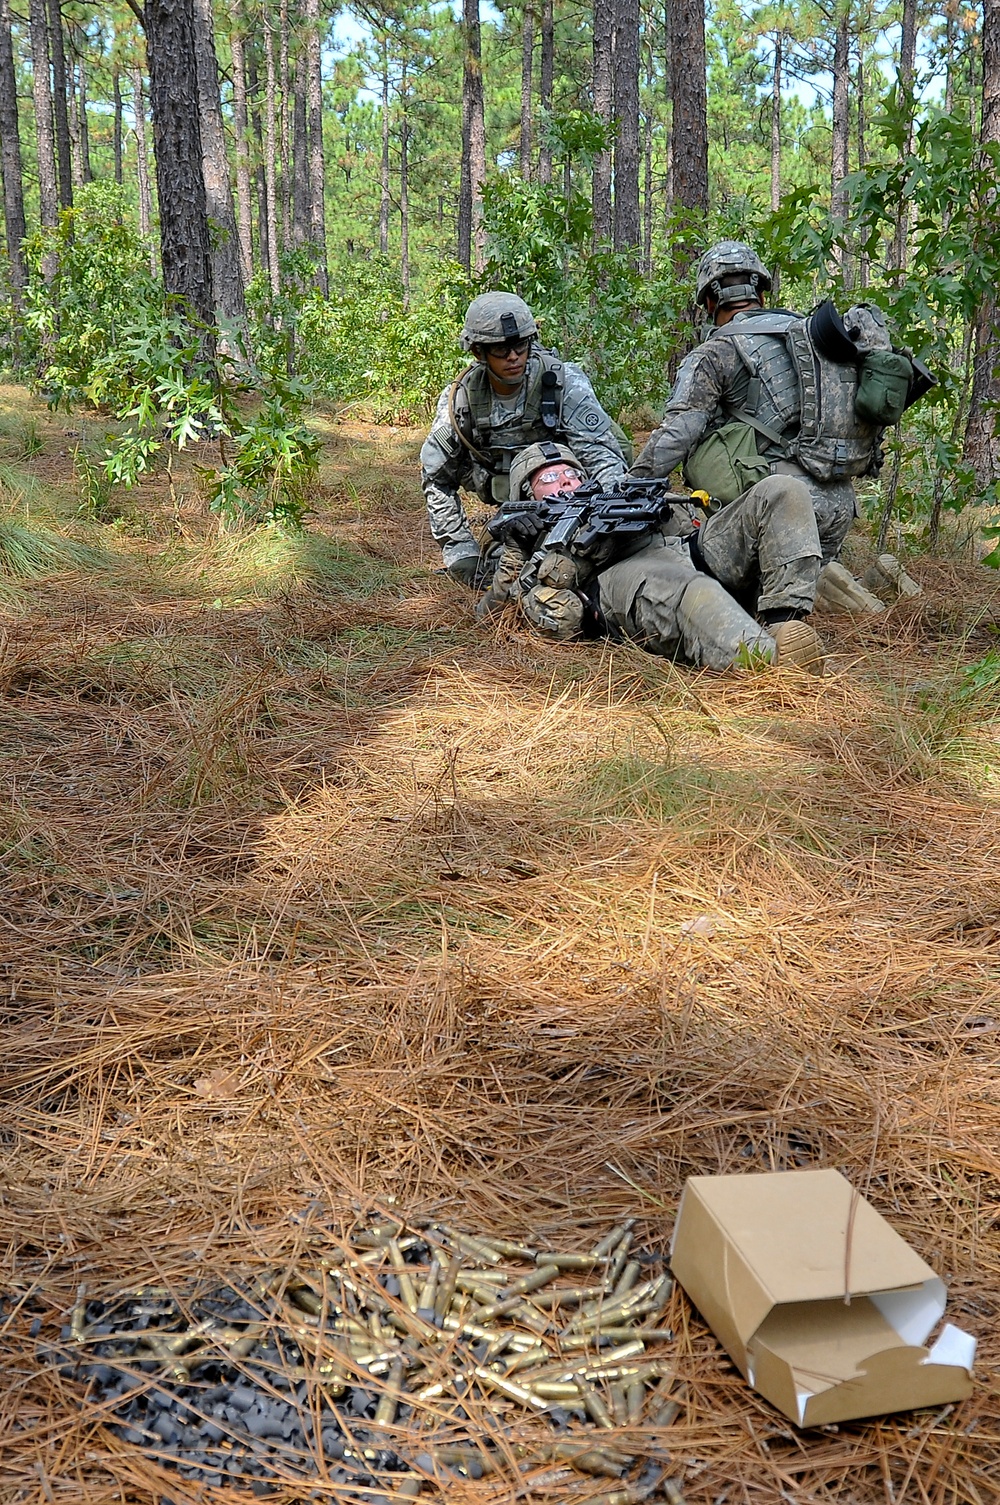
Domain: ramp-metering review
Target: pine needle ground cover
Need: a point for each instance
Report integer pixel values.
(323, 906)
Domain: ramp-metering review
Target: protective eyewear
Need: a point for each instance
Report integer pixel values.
(509, 347)
(550, 477)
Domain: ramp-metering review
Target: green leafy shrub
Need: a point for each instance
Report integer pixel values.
(273, 456)
(89, 284)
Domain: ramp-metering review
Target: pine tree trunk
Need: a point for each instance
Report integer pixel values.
(227, 274)
(603, 89)
(907, 73)
(10, 160)
(776, 125)
(861, 105)
(527, 67)
(284, 122)
(982, 443)
(470, 199)
(116, 90)
(48, 195)
(546, 73)
(404, 189)
(271, 158)
(142, 166)
(180, 182)
(841, 129)
(627, 224)
(314, 110)
(689, 124)
(64, 155)
(260, 171)
(647, 166)
(86, 171)
(73, 122)
(383, 208)
(301, 214)
(244, 216)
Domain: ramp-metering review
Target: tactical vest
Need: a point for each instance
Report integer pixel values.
(494, 446)
(800, 403)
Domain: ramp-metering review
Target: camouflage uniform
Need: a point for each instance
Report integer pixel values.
(446, 463)
(658, 599)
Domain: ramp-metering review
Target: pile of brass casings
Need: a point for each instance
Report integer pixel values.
(460, 1337)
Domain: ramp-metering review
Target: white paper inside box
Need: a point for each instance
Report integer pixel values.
(821, 1304)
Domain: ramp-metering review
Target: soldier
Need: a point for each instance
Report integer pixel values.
(655, 596)
(514, 393)
(736, 407)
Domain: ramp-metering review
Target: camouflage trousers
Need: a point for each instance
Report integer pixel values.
(661, 601)
(765, 546)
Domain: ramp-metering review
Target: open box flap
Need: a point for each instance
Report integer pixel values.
(825, 1361)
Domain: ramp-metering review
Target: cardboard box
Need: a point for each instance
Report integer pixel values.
(821, 1305)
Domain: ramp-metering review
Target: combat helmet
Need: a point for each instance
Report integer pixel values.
(527, 461)
(729, 258)
(493, 318)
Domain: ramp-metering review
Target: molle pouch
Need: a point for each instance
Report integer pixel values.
(726, 463)
(883, 387)
(500, 488)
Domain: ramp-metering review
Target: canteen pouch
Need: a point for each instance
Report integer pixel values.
(726, 463)
(883, 387)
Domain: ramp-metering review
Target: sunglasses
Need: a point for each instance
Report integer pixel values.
(509, 347)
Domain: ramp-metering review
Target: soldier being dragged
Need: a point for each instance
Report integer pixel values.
(582, 560)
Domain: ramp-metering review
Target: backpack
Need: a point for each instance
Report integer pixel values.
(823, 411)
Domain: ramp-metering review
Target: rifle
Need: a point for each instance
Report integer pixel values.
(593, 524)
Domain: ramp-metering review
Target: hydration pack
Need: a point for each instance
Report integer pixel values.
(811, 398)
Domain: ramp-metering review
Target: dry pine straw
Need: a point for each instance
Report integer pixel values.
(302, 923)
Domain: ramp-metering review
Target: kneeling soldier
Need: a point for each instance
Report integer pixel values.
(514, 394)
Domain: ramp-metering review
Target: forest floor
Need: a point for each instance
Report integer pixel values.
(321, 900)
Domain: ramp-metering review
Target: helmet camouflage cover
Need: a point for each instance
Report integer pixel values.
(731, 258)
(527, 461)
(494, 318)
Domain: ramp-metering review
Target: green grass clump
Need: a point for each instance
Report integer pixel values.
(32, 553)
(267, 562)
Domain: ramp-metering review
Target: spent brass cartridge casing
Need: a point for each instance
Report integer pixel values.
(472, 1247)
(385, 1411)
(513, 1250)
(446, 1288)
(428, 1292)
(512, 1294)
(78, 1322)
(619, 1255)
(628, 1278)
(467, 1279)
(619, 1403)
(611, 1240)
(407, 1291)
(526, 1358)
(559, 1390)
(568, 1295)
(457, 1456)
(635, 1394)
(567, 1261)
(513, 1391)
(594, 1404)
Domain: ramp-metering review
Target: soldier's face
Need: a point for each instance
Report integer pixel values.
(554, 479)
(507, 362)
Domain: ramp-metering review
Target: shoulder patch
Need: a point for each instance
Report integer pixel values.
(591, 419)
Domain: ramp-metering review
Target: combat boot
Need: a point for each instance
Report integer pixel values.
(797, 646)
(887, 575)
(838, 591)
